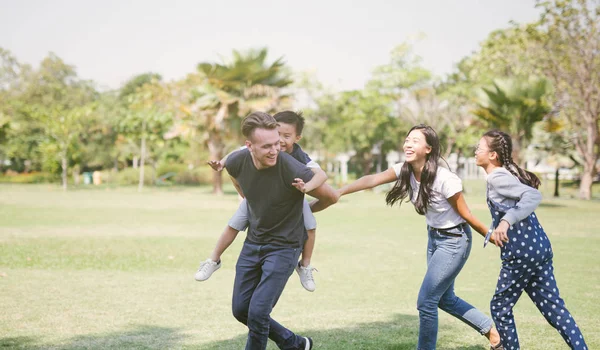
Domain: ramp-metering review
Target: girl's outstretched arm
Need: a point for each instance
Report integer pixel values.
(369, 181)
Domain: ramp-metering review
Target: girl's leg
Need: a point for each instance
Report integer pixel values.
(544, 293)
(470, 315)
(458, 307)
(446, 256)
(510, 286)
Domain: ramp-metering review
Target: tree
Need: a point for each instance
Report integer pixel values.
(361, 121)
(515, 106)
(53, 102)
(569, 37)
(63, 124)
(147, 119)
(223, 93)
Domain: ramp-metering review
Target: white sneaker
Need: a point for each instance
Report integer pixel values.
(206, 269)
(306, 277)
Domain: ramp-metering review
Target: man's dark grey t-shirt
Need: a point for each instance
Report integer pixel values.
(274, 205)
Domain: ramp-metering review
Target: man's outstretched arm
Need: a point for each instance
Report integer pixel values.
(325, 196)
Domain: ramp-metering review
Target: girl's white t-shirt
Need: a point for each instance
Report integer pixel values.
(440, 213)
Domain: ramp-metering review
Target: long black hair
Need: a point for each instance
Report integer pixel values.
(402, 187)
(501, 143)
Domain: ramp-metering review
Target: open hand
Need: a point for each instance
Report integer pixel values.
(215, 164)
(299, 184)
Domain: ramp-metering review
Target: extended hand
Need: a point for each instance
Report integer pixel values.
(299, 184)
(215, 164)
(500, 233)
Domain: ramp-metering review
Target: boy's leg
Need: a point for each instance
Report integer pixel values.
(309, 246)
(212, 264)
(304, 269)
(227, 237)
(238, 222)
(544, 293)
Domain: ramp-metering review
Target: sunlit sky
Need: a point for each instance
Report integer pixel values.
(109, 41)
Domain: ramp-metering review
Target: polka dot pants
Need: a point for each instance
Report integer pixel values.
(537, 280)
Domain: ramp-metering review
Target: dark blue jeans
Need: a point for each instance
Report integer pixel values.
(260, 276)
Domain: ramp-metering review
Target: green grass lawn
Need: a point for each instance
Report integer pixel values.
(112, 268)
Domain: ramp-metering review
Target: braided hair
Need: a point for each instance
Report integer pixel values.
(501, 143)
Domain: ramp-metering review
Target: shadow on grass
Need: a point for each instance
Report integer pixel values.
(141, 337)
(399, 334)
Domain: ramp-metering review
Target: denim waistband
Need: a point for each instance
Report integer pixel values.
(464, 224)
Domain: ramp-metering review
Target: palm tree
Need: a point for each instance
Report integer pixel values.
(223, 93)
(514, 106)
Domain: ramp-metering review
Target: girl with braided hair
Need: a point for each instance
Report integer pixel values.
(526, 253)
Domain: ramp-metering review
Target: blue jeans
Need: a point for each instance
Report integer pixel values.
(260, 276)
(447, 252)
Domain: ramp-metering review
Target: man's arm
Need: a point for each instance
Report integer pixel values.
(325, 196)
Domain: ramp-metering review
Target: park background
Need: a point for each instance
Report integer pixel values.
(107, 206)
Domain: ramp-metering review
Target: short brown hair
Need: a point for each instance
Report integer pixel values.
(257, 120)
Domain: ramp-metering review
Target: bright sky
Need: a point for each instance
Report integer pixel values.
(109, 41)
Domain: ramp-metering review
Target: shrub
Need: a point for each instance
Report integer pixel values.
(29, 178)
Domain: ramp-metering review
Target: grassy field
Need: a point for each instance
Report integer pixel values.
(112, 268)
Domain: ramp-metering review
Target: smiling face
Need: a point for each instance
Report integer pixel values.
(287, 136)
(483, 155)
(415, 147)
(264, 145)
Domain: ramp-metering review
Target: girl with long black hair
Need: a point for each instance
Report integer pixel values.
(436, 193)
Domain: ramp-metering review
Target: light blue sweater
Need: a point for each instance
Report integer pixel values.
(505, 188)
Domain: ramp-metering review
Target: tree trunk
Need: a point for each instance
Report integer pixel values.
(215, 148)
(556, 184)
(516, 152)
(451, 142)
(116, 164)
(134, 162)
(64, 164)
(367, 163)
(153, 171)
(142, 157)
(587, 178)
(590, 157)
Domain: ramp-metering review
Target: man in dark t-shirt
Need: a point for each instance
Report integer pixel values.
(276, 232)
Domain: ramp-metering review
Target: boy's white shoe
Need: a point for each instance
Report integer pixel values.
(306, 277)
(206, 269)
